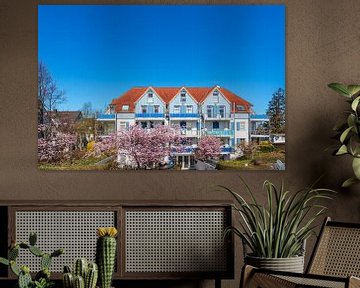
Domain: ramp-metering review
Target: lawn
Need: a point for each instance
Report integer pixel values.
(83, 163)
(261, 161)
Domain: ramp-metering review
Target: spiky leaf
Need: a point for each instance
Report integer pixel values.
(340, 88)
(342, 150)
(349, 182)
(57, 252)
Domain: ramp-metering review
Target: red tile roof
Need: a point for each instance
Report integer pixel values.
(131, 96)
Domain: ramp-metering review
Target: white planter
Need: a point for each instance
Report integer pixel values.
(291, 264)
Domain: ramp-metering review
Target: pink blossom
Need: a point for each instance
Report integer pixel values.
(208, 148)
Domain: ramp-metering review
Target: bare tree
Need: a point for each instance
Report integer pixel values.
(49, 95)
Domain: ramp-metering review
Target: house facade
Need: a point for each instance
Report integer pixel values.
(198, 111)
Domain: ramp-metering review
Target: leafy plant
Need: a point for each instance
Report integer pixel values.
(349, 131)
(279, 229)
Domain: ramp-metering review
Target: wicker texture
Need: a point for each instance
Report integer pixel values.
(338, 252)
(336, 257)
(175, 241)
(75, 231)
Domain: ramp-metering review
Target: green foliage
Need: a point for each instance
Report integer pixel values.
(276, 112)
(349, 131)
(42, 278)
(266, 146)
(279, 229)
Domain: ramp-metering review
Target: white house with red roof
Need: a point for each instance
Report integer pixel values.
(197, 111)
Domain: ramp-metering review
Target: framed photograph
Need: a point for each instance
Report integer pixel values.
(167, 87)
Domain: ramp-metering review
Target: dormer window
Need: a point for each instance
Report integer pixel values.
(216, 96)
(150, 97)
(183, 96)
(125, 108)
(240, 107)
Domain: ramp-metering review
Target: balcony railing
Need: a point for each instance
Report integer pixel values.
(106, 117)
(220, 132)
(189, 132)
(184, 115)
(149, 115)
(259, 132)
(226, 149)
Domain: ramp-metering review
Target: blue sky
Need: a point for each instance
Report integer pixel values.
(97, 52)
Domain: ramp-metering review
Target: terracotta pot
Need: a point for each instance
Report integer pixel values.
(291, 264)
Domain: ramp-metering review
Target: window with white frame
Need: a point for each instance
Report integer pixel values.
(189, 109)
(122, 125)
(209, 111)
(143, 109)
(216, 96)
(242, 125)
(183, 96)
(156, 109)
(222, 111)
(177, 109)
(125, 108)
(150, 97)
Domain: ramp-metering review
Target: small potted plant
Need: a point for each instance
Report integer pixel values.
(275, 233)
(349, 131)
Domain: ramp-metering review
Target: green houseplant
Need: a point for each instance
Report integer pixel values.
(349, 132)
(275, 233)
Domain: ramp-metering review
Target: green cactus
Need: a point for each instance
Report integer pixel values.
(32, 238)
(36, 251)
(80, 267)
(87, 272)
(42, 278)
(24, 280)
(45, 261)
(68, 280)
(79, 282)
(4, 261)
(91, 276)
(105, 255)
(13, 253)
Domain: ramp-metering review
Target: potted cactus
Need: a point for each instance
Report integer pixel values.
(42, 278)
(85, 275)
(106, 254)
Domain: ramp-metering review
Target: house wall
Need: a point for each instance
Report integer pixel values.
(189, 101)
(144, 101)
(323, 41)
(222, 101)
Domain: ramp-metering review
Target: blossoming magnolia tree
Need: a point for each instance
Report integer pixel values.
(209, 147)
(54, 145)
(140, 148)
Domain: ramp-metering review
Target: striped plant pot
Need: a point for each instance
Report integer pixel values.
(291, 264)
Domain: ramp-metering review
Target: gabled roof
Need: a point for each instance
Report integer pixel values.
(167, 93)
(200, 93)
(235, 99)
(131, 96)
